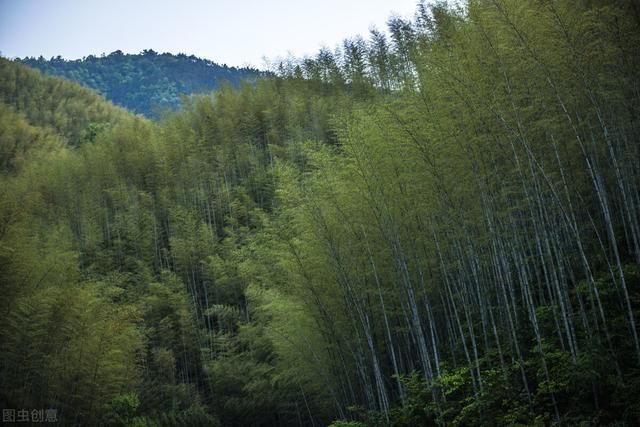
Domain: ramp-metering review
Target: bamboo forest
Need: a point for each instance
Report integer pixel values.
(435, 224)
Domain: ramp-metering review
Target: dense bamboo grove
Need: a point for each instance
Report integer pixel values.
(435, 227)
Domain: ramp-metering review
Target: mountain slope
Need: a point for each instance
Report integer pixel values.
(19, 139)
(436, 228)
(47, 102)
(148, 82)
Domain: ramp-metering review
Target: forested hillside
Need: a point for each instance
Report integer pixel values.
(147, 83)
(439, 227)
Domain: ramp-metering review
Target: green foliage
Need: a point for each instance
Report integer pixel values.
(120, 411)
(435, 228)
(340, 423)
(20, 141)
(50, 103)
(147, 83)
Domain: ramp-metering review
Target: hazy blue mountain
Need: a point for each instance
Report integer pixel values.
(148, 82)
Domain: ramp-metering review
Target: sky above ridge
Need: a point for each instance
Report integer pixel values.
(236, 33)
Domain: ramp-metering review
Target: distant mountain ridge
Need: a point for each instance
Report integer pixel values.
(148, 82)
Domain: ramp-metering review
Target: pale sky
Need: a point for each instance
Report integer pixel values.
(240, 32)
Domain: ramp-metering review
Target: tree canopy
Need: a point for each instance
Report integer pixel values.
(148, 83)
(438, 226)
